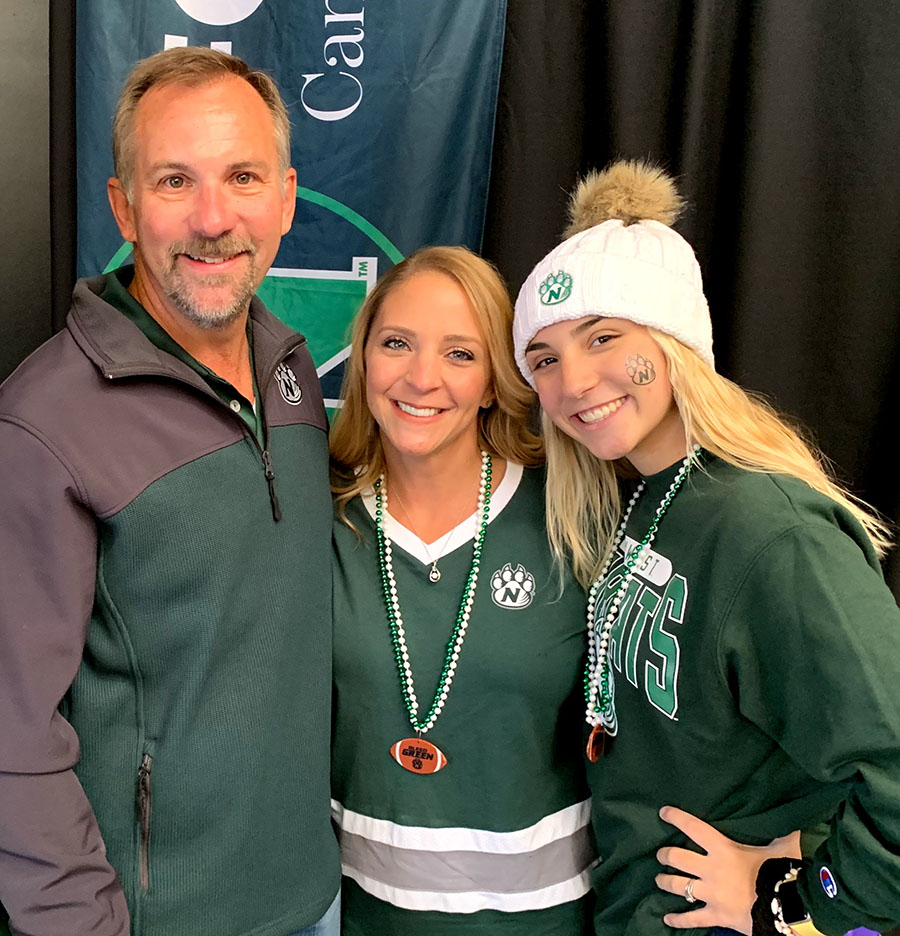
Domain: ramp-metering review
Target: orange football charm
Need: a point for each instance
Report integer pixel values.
(596, 744)
(418, 756)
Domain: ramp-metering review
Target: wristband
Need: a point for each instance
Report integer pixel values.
(778, 907)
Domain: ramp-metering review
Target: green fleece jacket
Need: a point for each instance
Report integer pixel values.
(165, 640)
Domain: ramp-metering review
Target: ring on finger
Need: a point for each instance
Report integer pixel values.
(689, 891)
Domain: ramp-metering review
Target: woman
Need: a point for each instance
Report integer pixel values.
(744, 652)
(459, 793)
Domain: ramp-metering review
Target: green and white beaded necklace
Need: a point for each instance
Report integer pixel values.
(416, 754)
(600, 710)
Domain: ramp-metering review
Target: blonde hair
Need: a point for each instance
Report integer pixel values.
(190, 66)
(583, 502)
(357, 454)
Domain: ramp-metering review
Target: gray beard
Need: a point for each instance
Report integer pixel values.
(233, 305)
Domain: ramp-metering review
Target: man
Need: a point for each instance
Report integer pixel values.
(165, 633)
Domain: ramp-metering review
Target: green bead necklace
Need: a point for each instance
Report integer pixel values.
(395, 619)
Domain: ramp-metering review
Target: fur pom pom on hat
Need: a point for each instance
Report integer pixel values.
(629, 191)
(620, 259)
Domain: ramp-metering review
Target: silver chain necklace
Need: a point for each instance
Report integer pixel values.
(434, 573)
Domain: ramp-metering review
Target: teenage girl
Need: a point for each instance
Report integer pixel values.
(744, 652)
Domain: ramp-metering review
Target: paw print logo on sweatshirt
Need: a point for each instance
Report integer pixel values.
(556, 288)
(512, 588)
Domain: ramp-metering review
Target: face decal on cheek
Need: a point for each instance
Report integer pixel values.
(640, 369)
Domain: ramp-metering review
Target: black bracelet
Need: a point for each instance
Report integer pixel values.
(771, 871)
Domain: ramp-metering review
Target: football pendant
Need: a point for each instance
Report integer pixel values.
(435, 574)
(418, 756)
(596, 743)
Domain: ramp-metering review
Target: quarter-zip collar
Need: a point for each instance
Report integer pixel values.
(118, 348)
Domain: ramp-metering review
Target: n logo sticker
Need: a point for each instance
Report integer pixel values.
(556, 288)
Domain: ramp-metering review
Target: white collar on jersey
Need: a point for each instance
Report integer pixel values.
(462, 533)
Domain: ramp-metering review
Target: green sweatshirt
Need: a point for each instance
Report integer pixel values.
(756, 662)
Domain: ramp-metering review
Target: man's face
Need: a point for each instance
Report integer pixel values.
(209, 205)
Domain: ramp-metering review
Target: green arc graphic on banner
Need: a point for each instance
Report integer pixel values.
(316, 198)
(118, 258)
(357, 220)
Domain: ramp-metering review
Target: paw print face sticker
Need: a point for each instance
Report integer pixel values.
(512, 588)
(556, 288)
(640, 369)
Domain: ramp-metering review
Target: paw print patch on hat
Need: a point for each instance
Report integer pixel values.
(556, 288)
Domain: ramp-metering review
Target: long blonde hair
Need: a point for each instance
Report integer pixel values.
(357, 455)
(583, 501)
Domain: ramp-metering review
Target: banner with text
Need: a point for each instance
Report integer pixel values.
(392, 109)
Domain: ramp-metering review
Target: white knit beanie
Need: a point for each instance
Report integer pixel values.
(624, 262)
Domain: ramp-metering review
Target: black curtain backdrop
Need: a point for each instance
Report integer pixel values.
(782, 123)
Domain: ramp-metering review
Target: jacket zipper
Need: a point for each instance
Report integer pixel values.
(145, 806)
(264, 448)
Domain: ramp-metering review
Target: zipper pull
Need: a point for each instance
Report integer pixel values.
(145, 806)
(270, 478)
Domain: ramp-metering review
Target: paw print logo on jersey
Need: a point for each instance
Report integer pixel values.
(556, 288)
(512, 588)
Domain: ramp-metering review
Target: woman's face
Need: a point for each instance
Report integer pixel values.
(604, 382)
(427, 369)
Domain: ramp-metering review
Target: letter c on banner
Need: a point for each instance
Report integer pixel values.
(218, 12)
(330, 114)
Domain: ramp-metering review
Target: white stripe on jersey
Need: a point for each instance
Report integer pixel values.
(421, 868)
(557, 825)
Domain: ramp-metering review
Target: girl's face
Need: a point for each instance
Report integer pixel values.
(427, 370)
(604, 382)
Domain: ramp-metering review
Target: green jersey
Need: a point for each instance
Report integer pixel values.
(756, 659)
(499, 839)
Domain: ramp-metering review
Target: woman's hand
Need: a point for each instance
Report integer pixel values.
(724, 879)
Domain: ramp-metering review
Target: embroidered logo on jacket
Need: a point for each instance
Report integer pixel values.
(829, 884)
(288, 384)
(512, 588)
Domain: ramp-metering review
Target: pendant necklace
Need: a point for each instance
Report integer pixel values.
(416, 754)
(600, 712)
(434, 573)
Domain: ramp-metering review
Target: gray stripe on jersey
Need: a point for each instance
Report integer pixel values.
(462, 871)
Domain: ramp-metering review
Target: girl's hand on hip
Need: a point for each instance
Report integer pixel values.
(724, 879)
